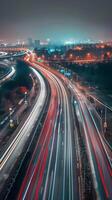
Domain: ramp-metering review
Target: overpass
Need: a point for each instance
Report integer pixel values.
(81, 61)
(12, 49)
(8, 52)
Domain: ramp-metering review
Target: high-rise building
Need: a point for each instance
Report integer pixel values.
(37, 43)
(30, 42)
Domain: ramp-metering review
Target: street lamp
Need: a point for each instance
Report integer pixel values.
(11, 123)
(26, 98)
(10, 109)
(71, 55)
(10, 112)
(75, 102)
(105, 122)
(55, 56)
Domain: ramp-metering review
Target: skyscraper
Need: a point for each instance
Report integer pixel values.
(30, 42)
(37, 43)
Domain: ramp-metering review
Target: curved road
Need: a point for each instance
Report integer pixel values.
(50, 174)
(11, 154)
(56, 180)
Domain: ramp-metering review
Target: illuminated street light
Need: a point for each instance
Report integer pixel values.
(105, 122)
(75, 102)
(55, 56)
(11, 122)
(10, 109)
(71, 55)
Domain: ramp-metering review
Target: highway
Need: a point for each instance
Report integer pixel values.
(8, 75)
(50, 174)
(7, 55)
(10, 155)
(53, 171)
(56, 180)
(2, 54)
(81, 61)
(99, 154)
(100, 160)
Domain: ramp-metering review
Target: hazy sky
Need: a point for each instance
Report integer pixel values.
(55, 19)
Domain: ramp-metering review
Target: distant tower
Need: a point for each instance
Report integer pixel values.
(37, 43)
(30, 42)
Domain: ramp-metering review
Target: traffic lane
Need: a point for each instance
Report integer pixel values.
(100, 193)
(101, 159)
(56, 189)
(81, 101)
(50, 115)
(30, 117)
(74, 146)
(36, 164)
(65, 149)
(67, 178)
(8, 76)
(16, 115)
(57, 174)
(96, 118)
(67, 156)
(51, 131)
(104, 165)
(98, 122)
(50, 175)
(68, 170)
(14, 150)
(72, 171)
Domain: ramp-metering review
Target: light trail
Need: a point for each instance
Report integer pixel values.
(28, 125)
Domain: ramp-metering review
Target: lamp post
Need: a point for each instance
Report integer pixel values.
(71, 56)
(11, 122)
(25, 98)
(105, 122)
(55, 57)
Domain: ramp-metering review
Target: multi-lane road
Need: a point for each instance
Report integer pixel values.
(10, 72)
(98, 153)
(9, 155)
(53, 171)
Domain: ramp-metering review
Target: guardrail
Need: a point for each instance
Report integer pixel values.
(7, 76)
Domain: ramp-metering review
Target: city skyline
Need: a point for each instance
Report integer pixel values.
(56, 20)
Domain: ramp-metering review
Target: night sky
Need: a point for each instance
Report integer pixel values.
(55, 19)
